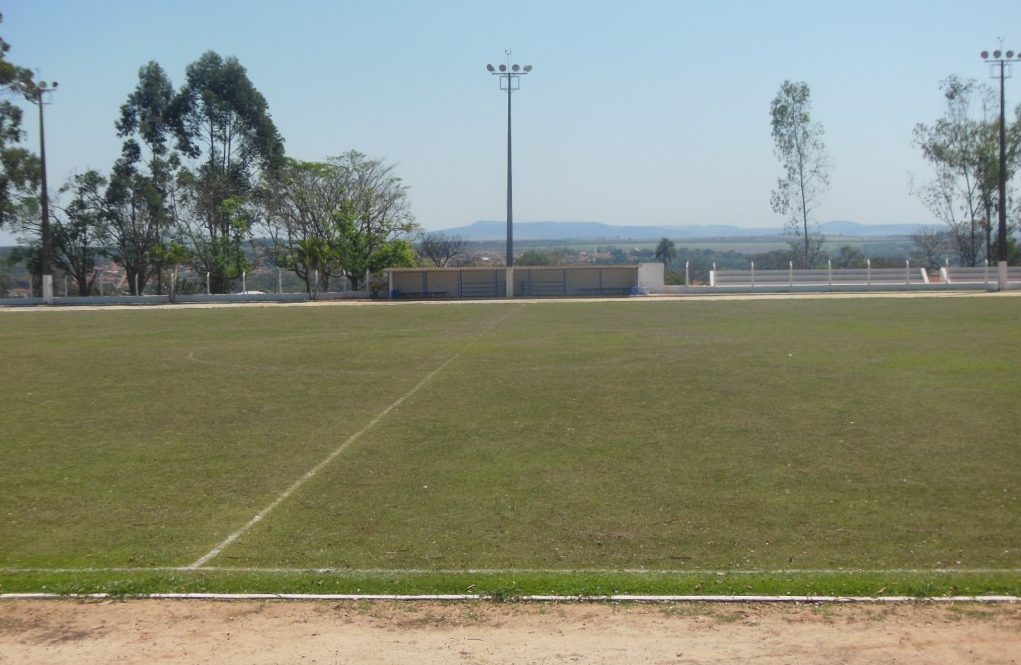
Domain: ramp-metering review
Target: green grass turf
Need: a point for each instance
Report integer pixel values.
(594, 438)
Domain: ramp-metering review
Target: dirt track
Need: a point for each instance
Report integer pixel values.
(427, 303)
(147, 631)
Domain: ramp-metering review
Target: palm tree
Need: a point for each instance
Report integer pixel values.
(666, 252)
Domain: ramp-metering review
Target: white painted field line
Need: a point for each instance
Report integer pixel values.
(627, 598)
(311, 473)
(514, 571)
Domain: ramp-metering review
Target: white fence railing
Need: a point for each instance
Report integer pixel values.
(829, 276)
(981, 275)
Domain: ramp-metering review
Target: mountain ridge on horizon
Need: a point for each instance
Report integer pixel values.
(484, 230)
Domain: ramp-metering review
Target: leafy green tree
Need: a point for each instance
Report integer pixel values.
(534, 257)
(799, 146)
(300, 206)
(77, 231)
(376, 221)
(19, 168)
(849, 256)
(142, 179)
(222, 124)
(363, 254)
(666, 252)
(174, 255)
(963, 149)
(314, 255)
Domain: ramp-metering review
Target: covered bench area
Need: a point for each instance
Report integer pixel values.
(519, 281)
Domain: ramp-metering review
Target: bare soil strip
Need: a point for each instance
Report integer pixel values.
(146, 631)
(693, 297)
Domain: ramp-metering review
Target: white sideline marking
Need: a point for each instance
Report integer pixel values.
(536, 599)
(520, 571)
(213, 553)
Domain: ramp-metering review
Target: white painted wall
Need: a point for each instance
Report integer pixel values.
(651, 277)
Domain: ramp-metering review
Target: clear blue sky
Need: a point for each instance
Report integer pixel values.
(642, 112)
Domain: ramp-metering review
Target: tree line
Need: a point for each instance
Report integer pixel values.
(962, 147)
(202, 172)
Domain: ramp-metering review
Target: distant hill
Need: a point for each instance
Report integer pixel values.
(840, 228)
(490, 230)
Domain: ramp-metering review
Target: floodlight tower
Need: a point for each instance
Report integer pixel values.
(34, 93)
(510, 81)
(1002, 62)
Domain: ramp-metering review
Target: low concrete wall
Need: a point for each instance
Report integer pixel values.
(20, 302)
(822, 288)
(242, 297)
(344, 295)
(193, 298)
(111, 300)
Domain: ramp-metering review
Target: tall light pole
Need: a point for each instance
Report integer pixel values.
(510, 81)
(34, 93)
(1002, 60)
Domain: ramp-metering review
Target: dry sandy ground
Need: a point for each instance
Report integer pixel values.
(154, 631)
(821, 295)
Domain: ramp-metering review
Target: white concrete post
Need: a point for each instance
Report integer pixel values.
(687, 280)
(790, 273)
(509, 283)
(753, 274)
(868, 271)
(987, 271)
(280, 281)
(244, 283)
(137, 292)
(208, 292)
(907, 271)
(1001, 275)
(829, 271)
(47, 289)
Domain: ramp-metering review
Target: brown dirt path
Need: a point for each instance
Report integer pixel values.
(153, 631)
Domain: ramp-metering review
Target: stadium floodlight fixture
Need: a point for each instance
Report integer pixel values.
(1001, 70)
(510, 76)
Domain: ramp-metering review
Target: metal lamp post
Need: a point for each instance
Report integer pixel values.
(510, 81)
(34, 93)
(1001, 61)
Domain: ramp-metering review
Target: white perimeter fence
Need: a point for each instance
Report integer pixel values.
(907, 277)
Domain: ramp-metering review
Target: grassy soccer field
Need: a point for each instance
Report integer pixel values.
(785, 446)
